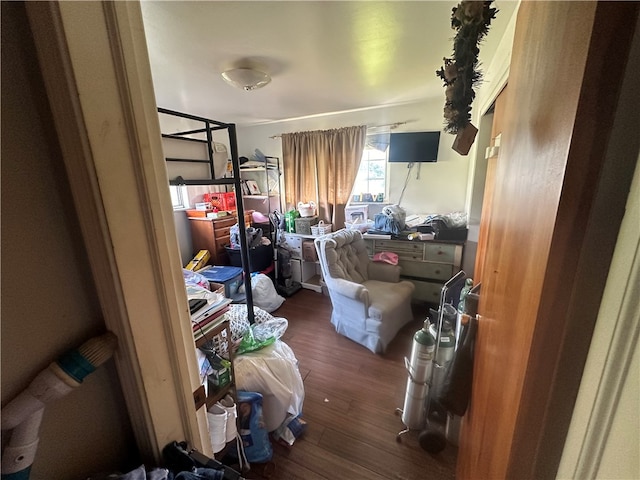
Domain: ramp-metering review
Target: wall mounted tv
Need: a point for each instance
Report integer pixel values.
(411, 147)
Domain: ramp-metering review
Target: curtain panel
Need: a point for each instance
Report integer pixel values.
(322, 166)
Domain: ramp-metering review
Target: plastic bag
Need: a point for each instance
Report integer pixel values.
(250, 343)
(264, 293)
(385, 223)
(391, 220)
(272, 371)
(254, 236)
(398, 214)
(274, 327)
(239, 321)
(192, 278)
(290, 429)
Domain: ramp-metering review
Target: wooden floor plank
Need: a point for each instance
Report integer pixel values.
(351, 395)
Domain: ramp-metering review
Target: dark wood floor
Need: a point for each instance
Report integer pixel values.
(350, 399)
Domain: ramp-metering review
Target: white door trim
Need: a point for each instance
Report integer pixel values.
(94, 62)
(615, 338)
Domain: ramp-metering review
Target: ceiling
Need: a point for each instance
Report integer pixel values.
(323, 57)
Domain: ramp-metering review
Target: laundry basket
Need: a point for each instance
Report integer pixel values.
(321, 228)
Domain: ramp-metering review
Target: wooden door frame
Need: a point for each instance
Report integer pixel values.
(94, 62)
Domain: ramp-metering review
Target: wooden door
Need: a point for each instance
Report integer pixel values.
(557, 185)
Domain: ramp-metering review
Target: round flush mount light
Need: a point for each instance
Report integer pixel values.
(246, 78)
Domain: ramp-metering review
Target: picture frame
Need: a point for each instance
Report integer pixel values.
(253, 187)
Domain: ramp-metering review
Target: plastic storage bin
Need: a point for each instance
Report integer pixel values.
(260, 257)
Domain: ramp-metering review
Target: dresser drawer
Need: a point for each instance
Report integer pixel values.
(369, 245)
(225, 222)
(221, 242)
(435, 271)
(399, 247)
(408, 256)
(440, 252)
(426, 291)
(222, 232)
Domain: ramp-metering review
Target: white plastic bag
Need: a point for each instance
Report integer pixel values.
(273, 372)
(264, 293)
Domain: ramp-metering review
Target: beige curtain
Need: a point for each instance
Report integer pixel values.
(321, 166)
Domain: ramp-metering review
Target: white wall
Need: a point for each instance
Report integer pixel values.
(49, 300)
(441, 187)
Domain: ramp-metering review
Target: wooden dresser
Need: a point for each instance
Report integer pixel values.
(213, 234)
(428, 264)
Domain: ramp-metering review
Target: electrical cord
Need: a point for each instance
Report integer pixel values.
(406, 181)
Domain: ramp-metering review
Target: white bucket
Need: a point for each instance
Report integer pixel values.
(217, 423)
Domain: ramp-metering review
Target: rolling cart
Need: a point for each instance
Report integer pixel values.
(432, 437)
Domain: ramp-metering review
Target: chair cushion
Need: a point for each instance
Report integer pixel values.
(346, 256)
(387, 298)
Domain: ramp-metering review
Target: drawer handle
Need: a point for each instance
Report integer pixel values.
(437, 272)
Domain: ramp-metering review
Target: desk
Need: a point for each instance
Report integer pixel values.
(427, 264)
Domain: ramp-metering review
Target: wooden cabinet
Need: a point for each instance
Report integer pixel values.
(428, 265)
(213, 234)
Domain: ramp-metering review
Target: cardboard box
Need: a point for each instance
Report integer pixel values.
(218, 378)
(217, 287)
(309, 253)
(199, 261)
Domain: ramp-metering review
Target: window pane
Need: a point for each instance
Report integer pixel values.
(376, 169)
(371, 176)
(376, 186)
(178, 196)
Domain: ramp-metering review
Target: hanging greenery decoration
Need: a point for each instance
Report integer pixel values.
(460, 73)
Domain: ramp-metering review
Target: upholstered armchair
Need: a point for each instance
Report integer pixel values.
(370, 302)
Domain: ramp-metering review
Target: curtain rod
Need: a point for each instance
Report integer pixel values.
(390, 126)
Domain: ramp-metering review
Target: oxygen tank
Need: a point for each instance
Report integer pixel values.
(419, 368)
(445, 351)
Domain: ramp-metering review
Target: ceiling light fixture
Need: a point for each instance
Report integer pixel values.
(246, 78)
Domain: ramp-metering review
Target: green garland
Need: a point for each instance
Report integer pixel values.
(460, 72)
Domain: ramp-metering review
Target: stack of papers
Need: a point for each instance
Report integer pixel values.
(214, 304)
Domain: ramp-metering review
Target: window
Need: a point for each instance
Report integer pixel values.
(179, 198)
(370, 184)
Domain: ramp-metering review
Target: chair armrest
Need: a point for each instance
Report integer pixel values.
(348, 289)
(384, 272)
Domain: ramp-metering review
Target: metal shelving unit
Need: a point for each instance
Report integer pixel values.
(208, 127)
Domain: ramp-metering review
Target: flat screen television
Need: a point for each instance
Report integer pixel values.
(411, 147)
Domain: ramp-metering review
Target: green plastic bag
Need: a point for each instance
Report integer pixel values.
(249, 343)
